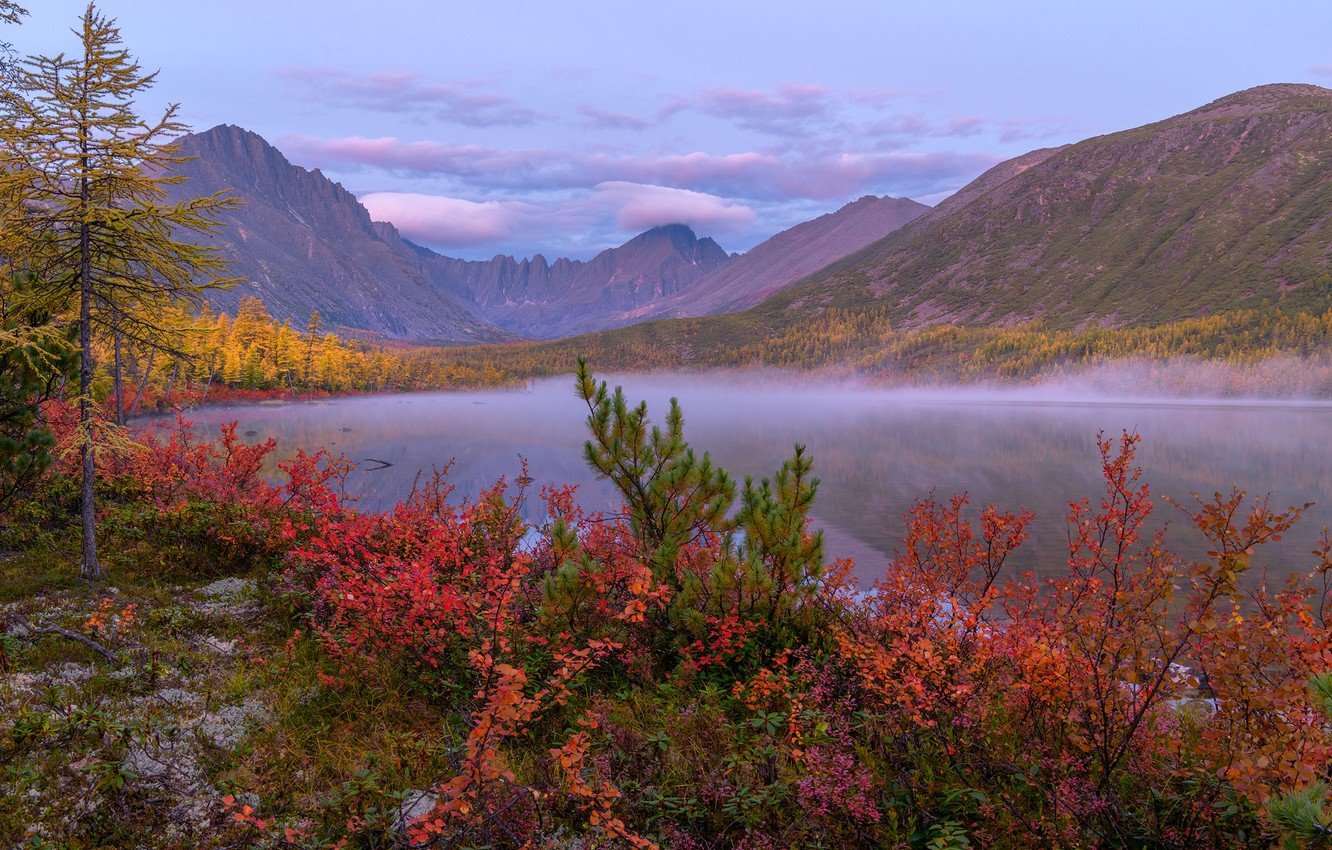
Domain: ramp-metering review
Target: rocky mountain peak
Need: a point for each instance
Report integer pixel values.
(301, 242)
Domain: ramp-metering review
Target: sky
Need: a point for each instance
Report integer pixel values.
(565, 128)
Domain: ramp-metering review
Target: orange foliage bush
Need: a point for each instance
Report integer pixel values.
(715, 690)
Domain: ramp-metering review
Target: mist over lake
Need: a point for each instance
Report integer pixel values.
(876, 450)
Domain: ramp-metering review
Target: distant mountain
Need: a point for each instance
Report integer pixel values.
(575, 297)
(301, 242)
(505, 282)
(787, 257)
(1226, 206)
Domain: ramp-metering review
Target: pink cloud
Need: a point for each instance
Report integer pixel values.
(606, 119)
(1023, 129)
(641, 206)
(968, 125)
(1322, 70)
(692, 169)
(460, 102)
(779, 111)
(443, 220)
(423, 157)
(749, 174)
(672, 107)
(879, 98)
(899, 128)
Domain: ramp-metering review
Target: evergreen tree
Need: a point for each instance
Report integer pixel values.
(673, 496)
(1303, 816)
(97, 184)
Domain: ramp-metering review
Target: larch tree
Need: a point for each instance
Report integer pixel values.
(99, 175)
(10, 13)
(311, 338)
(36, 354)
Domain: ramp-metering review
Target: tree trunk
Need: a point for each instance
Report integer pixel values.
(207, 384)
(166, 394)
(143, 383)
(118, 385)
(90, 568)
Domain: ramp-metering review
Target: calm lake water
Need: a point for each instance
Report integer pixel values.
(875, 450)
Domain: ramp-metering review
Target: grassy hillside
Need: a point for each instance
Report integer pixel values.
(1224, 207)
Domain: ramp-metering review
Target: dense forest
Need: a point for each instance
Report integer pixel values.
(862, 343)
(216, 357)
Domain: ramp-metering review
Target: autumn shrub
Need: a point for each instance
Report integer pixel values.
(690, 670)
(211, 504)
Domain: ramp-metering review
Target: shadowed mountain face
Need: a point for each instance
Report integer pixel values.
(1227, 206)
(300, 242)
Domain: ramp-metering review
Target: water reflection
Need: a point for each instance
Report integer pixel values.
(875, 451)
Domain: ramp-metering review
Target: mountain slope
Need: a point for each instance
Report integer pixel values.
(1226, 206)
(301, 242)
(789, 256)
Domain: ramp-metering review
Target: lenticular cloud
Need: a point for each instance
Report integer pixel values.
(443, 220)
(639, 206)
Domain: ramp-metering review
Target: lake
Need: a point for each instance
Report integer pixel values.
(875, 450)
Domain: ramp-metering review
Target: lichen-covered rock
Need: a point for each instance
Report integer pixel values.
(227, 588)
(227, 726)
(164, 761)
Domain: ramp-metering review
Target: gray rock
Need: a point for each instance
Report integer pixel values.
(176, 697)
(225, 648)
(227, 588)
(415, 804)
(74, 673)
(227, 726)
(163, 762)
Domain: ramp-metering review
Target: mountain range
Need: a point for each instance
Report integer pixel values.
(1225, 206)
(301, 242)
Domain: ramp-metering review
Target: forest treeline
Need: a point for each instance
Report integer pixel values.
(217, 356)
(863, 343)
